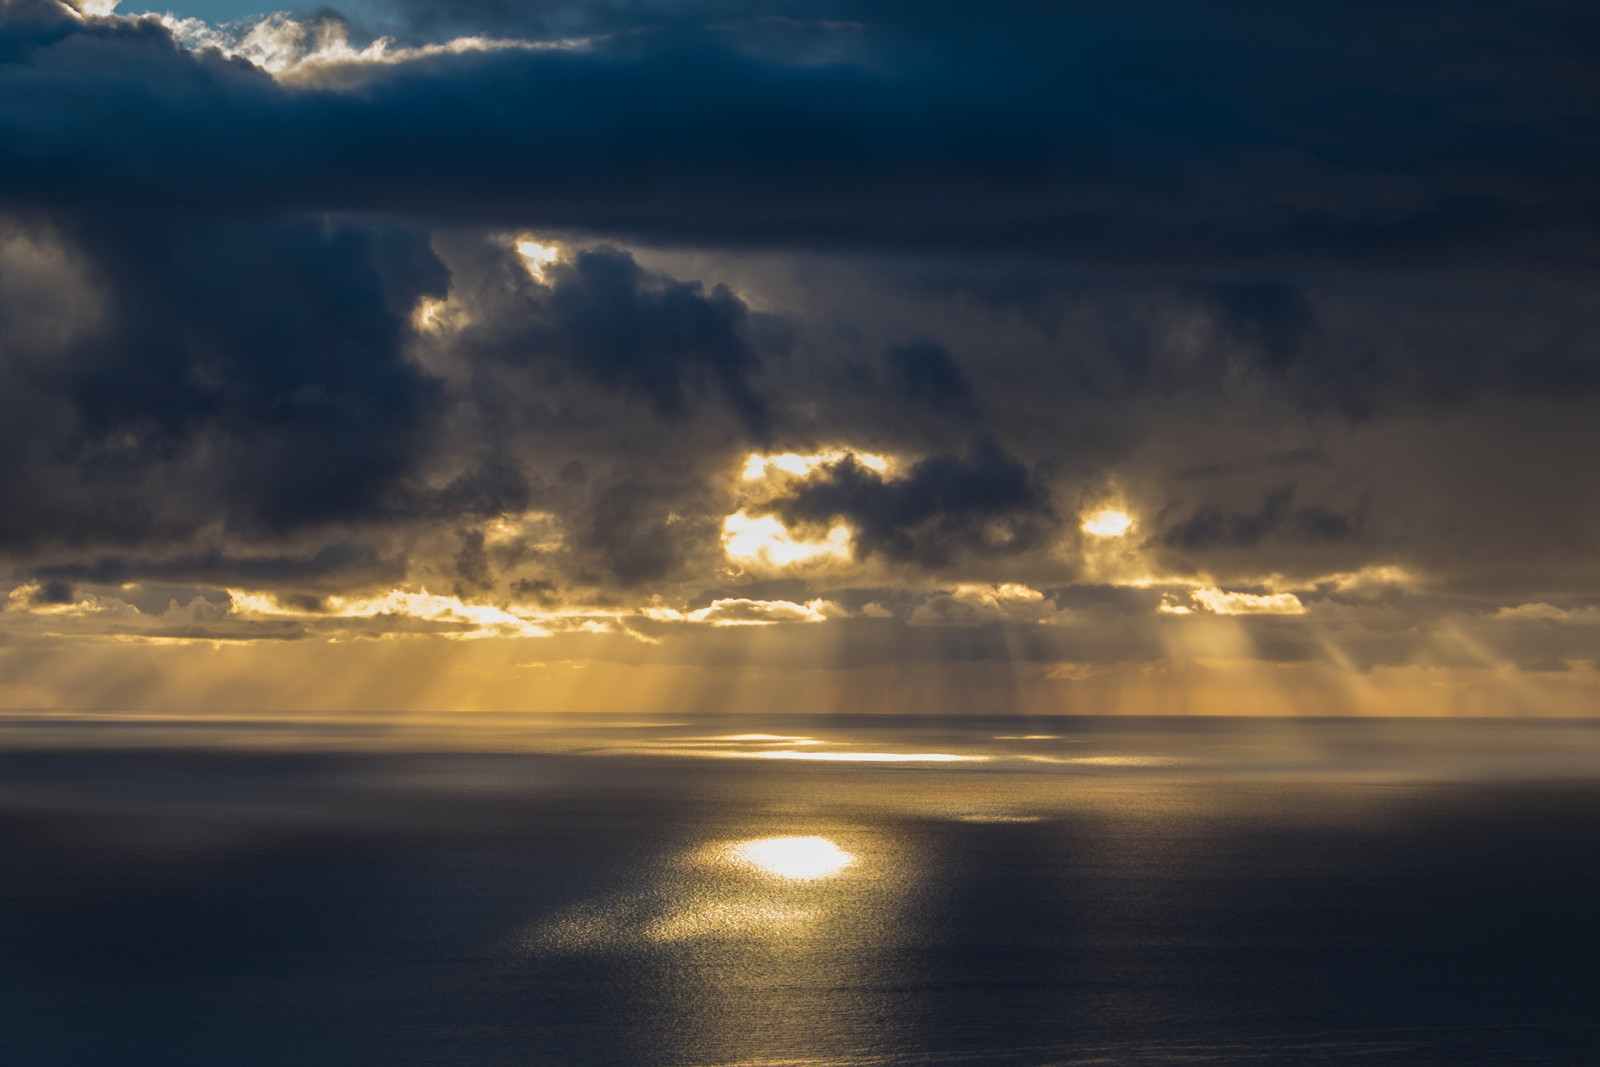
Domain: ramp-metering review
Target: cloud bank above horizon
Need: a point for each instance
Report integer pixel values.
(1085, 357)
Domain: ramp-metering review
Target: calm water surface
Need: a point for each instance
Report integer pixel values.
(801, 891)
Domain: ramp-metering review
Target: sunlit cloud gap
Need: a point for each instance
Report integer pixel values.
(760, 540)
(759, 466)
(1221, 603)
(1108, 522)
(764, 539)
(538, 256)
(1216, 601)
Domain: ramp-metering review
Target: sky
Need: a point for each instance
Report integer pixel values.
(801, 355)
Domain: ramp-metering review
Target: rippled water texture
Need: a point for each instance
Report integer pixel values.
(1072, 891)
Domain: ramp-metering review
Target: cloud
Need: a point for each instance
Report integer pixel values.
(975, 605)
(1298, 142)
(635, 533)
(260, 365)
(1540, 612)
(318, 50)
(1304, 293)
(983, 504)
(1210, 527)
(451, 613)
(34, 610)
(1224, 603)
(342, 562)
(252, 402)
(924, 372)
(643, 333)
(740, 611)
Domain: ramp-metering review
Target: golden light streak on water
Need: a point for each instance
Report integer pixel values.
(804, 859)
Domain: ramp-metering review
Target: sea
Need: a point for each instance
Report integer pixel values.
(799, 891)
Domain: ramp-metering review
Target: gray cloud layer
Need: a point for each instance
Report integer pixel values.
(1308, 293)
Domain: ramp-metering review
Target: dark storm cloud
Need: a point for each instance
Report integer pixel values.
(493, 486)
(342, 562)
(600, 319)
(1211, 527)
(1274, 318)
(1157, 135)
(244, 372)
(281, 341)
(923, 371)
(55, 592)
(642, 333)
(986, 504)
(635, 533)
(244, 407)
(1361, 346)
(1373, 350)
(583, 18)
(472, 564)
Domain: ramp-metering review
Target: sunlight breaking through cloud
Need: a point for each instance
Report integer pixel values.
(1108, 522)
(1221, 603)
(538, 256)
(764, 539)
(794, 464)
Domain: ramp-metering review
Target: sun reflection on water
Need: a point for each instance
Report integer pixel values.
(803, 859)
(868, 757)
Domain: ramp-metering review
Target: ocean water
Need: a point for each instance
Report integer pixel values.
(494, 890)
